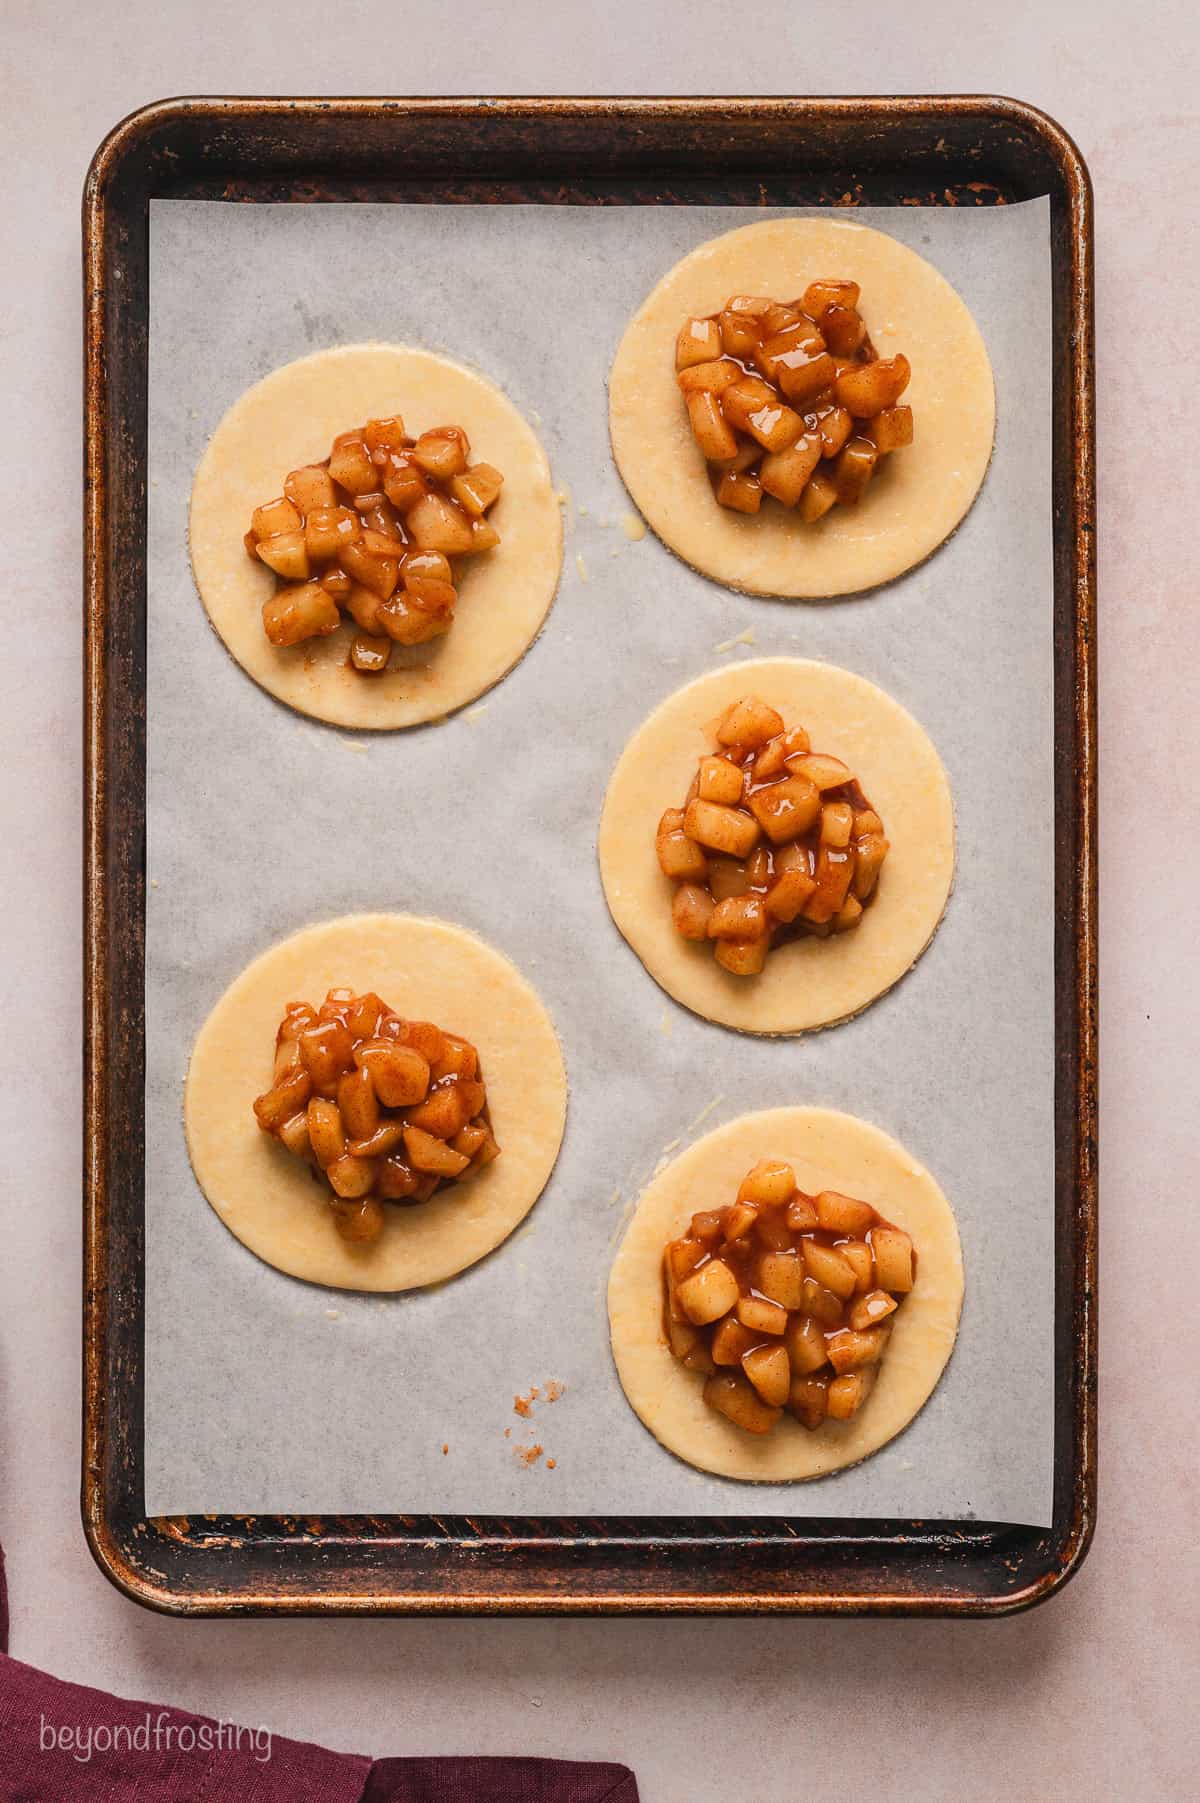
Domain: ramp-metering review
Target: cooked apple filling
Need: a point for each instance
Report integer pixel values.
(790, 401)
(371, 533)
(785, 1301)
(774, 840)
(386, 1108)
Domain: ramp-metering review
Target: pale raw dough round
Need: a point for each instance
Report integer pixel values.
(808, 982)
(427, 970)
(919, 495)
(827, 1150)
(290, 418)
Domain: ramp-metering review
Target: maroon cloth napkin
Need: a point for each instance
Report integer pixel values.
(63, 1742)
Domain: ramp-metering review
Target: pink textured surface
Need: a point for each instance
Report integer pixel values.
(1079, 1700)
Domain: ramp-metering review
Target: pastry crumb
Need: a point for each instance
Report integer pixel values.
(445, 1448)
(154, 882)
(332, 1314)
(704, 1113)
(633, 526)
(523, 1405)
(666, 1026)
(551, 1464)
(357, 746)
(529, 1455)
(581, 566)
(473, 713)
(671, 1146)
(745, 637)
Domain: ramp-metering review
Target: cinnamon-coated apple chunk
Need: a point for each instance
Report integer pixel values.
(387, 1108)
(776, 1299)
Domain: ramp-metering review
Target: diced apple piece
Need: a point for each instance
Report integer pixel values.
(708, 1293)
(325, 1132)
(787, 808)
(761, 1316)
(740, 1217)
(843, 1214)
(434, 1156)
(403, 482)
(720, 780)
(857, 1254)
(837, 823)
(893, 1253)
(853, 469)
(803, 373)
(866, 389)
(872, 1308)
(773, 756)
(708, 1226)
(303, 612)
(740, 490)
(351, 1177)
(820, 494)
(826, 1266)
(867, 821)
(285, 1099)
(742, 957)
(842, 329)
(821, 1303)
(829, 292)
(386, 434)
(408, 624)
(691, 909)
(848, 1393)
(749, 723)
(358, 1219)
(310, 487)
(848, 915)
(788, 896)
(823, 771)
(477, 488)
(442, 452)
(387, 1137)
(680, 857)
(711, 430)
(808, 1399)
(771, 1233)
(368, 565)
(397, 1181)
(736, 1398)
(805, 1344)
(285, 553)
(329, 530)
(726, 876)
(780, 1277)
(741, 917)
(850, 1351)
(768, 1370)
(274, 517)
(731, 1342)
(682, 1338)
(801, 1213)
(715, 377)
(436, 524)
(892, 429)
(484, 537)
(783, 474)
(833, 873)
(444, 1112)
(869, 853)
(741, 333)
(294, 1135)
(727, 830)
(682, 1257)
(699, 341)
(768, 1184)
(350, 464)
(835, 427)
(399, 1073)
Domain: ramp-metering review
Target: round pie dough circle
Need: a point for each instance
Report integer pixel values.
(807, 982)
(827, 1150)
(919, 496)
(291, 418)
(431, 971)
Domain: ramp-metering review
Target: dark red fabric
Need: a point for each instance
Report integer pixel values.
(497, 1781)
(67, 1743)
(60, 1742)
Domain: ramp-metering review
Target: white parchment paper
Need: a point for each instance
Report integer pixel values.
(264, 1394)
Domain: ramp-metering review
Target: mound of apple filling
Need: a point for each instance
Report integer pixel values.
(791, 401)
(371, 532)
(386, 1108)
(774, 840)
(785, 1301)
